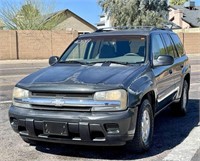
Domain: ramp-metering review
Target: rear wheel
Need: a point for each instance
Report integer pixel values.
(144, 129)
(180, 108)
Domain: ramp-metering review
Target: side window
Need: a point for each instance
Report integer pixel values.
(169, 45)
(157, 46)
(178, 44)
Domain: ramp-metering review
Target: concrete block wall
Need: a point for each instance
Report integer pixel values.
(191, 43)
(61, 40)
(8, 49)
(190, 39)
(34, 44)
(43, 44)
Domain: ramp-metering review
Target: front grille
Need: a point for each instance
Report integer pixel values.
(82, 96)
(67, 102)
(64, 95)
(53, 108)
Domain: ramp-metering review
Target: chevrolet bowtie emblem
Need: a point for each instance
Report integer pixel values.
(58, 102)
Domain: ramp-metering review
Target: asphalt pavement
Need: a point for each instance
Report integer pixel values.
(175, 138)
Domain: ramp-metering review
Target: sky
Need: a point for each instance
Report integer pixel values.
(87, 9)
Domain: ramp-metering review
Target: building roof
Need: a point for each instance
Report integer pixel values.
(189, 16)
(47, 17)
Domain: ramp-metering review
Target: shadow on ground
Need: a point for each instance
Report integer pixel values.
(169, 132)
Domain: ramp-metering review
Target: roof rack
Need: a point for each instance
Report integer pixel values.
(147, 28)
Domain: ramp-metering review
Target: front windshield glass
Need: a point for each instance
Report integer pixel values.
(124, 49)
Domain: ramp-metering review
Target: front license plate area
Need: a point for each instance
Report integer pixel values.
(55, 128)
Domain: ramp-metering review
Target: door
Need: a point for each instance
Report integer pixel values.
(179, 60)
(163, 74)
(178, 63)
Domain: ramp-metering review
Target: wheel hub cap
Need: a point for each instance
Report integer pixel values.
(184, 98)
(145, 126)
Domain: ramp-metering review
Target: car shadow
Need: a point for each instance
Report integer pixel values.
(169, 131)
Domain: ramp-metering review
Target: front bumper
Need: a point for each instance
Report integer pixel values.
(81, 128)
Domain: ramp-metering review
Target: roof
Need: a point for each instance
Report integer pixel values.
(189, 16)
(49, 16)
(128, 32)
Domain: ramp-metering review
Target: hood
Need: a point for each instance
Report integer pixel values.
(118, 75)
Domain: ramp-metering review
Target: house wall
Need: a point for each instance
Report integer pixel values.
(34, 44)
(72, 22)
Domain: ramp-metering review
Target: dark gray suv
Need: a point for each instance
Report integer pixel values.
(105, 89)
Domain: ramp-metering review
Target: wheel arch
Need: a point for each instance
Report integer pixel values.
(150, 95)
(187, 78)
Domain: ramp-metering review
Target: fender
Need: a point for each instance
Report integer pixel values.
(139, 87)
(186, 70)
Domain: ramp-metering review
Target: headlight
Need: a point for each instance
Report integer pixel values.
(18, 95)
(113, 95)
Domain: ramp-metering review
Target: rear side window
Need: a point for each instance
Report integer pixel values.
(157, 46)
(169, 45)
(178, 44)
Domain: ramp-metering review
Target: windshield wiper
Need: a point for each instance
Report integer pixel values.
(74, 62)
(110, 61)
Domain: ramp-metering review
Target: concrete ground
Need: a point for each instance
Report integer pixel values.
(175, 138)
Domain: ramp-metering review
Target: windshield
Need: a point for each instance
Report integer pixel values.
(119, 49)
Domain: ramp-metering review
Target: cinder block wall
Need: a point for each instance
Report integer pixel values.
(43, 44)
(34, 44)
(191, 43)
(191, 40)
(8, 48)
(61, 40)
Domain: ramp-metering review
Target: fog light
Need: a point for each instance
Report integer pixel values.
(14, 122)
(112, 128)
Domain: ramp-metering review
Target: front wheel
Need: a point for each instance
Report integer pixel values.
(144, 129)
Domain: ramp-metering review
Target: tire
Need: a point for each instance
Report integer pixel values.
(142, 140)
(180, 108)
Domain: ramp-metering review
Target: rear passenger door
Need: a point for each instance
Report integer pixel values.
(163, 74)
(179, 60)
(176, 67)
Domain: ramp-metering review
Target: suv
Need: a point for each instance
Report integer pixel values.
(105, 89)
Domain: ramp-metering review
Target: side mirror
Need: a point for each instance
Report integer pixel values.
(163, 60)
(53, 60)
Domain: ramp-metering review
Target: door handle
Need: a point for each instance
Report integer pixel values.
(170, 71)
(181, 65)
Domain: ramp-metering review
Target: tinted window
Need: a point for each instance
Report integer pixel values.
(169, 45)
(157, 46)
(178, 44)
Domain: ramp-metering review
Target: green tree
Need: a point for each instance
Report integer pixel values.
(135, 12)
(30, 15)
(177, 2)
